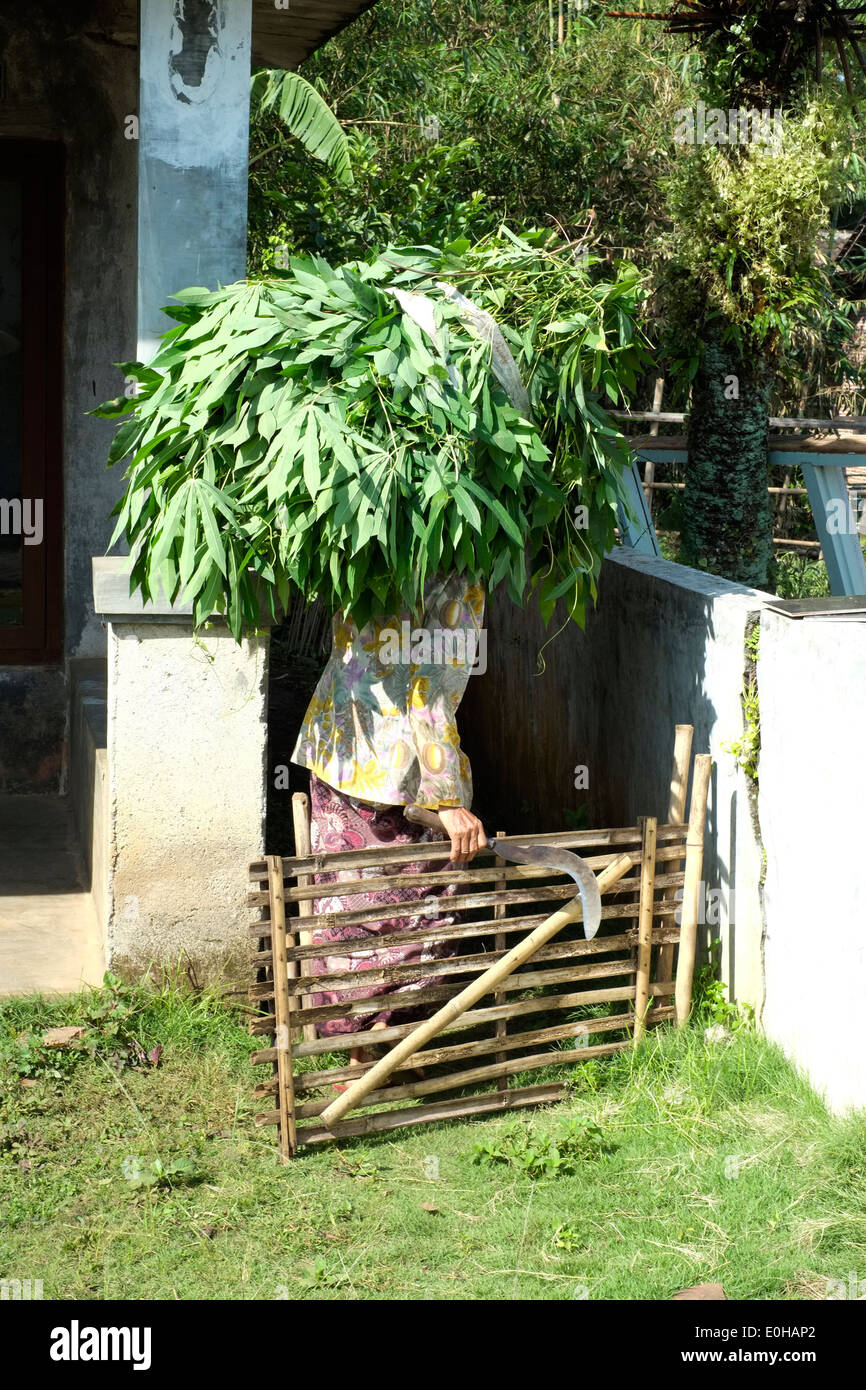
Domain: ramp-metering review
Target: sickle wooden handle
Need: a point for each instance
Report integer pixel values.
(418, 815)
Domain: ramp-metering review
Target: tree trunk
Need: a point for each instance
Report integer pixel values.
(727, 523)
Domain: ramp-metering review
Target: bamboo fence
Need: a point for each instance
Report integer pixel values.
(541, 1007)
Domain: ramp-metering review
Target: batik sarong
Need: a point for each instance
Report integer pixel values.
(339, 822)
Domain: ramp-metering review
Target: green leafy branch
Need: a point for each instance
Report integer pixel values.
(303, 435)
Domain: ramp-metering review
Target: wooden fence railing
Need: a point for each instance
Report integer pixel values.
(829, 463)
(573, 1000)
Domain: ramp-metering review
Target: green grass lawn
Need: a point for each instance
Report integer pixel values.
(714, 1162)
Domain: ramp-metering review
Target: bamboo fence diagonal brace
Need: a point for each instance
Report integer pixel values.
(467, 997)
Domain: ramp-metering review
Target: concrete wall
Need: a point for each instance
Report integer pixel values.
(812, 685)
(71, 76)
(664, 646)
(32, 725)
(187, 746)
(187, 741)
(193, 155)
(88, 775)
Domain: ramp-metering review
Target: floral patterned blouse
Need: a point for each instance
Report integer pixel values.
(381, 726)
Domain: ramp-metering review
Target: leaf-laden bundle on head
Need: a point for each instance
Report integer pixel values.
(304, 434)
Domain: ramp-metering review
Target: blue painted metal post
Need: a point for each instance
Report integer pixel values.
(635, 522)
(831, 510)
(193, 153)
(835, 524)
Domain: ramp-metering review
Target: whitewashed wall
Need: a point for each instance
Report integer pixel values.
(812, 805)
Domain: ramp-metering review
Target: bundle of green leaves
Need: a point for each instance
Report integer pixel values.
(302, 435)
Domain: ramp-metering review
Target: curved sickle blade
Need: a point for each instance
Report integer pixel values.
(568, 863)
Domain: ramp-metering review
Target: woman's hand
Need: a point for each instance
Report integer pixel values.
(467, 833)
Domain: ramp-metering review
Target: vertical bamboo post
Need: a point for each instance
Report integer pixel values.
(676, 816)
(691, 888)
(499, 996)
(282, 1010)
(649, 827)
(649, 472)
(301, 821)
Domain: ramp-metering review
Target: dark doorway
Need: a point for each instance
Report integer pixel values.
(31, 395)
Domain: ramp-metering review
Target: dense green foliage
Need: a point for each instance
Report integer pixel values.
(303, 434)
(459, 113)
(745, 288)
(462, 114)
(746, 227)
(306, 116)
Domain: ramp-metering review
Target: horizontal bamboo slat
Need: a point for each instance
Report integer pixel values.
(459, 873)
(405, 974)
(411, 907)
(464, 931)
(577, 840)
(530, 980)
(454, 1109)
(474, 1075)
(480, 1047)
(442, 993)
(621, 971)
(421, 1114)
(459, 902)
(449, 965)
(518, 1008)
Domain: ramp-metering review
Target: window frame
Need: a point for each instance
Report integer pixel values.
(40, 166)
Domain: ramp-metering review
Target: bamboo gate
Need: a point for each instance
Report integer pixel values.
(628, 969)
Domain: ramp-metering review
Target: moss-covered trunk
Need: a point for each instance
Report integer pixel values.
(727, 525)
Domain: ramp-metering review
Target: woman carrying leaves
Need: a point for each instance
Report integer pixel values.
(385, 435)
(379, 734)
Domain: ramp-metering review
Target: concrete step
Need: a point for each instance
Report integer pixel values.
(50, 937)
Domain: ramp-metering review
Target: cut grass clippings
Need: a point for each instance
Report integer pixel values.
(705, 1162)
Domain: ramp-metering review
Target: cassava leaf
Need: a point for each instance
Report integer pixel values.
(302, 432)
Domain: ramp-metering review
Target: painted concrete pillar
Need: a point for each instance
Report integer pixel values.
(187, 715)
(187, 743)
(812, 685)
(193, 152)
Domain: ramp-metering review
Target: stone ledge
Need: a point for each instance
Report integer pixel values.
(710, 586)
(113, 601)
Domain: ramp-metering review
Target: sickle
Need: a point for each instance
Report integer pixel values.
(568, 863)
(541, 855)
